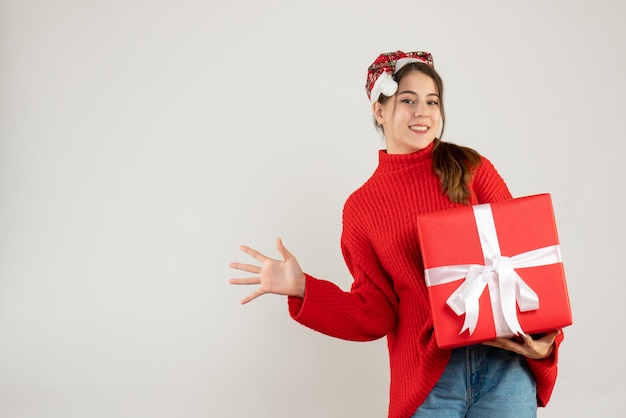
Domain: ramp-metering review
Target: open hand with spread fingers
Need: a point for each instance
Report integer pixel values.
(281, 277)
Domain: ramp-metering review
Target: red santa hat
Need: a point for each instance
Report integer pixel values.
(380, 74)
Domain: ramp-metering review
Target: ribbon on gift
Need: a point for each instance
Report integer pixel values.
(506, 287)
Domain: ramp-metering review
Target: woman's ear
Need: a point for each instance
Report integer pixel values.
(379, 114)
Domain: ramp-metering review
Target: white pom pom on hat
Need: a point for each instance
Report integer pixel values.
(386, 84)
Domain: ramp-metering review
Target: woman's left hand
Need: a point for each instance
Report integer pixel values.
(534, 349)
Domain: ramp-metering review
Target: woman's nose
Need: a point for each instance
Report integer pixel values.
(421, 112)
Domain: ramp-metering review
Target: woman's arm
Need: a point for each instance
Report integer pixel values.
(362, 314)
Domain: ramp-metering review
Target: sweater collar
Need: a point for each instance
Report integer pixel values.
(391, 162)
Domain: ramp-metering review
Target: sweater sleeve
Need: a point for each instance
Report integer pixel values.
(488, 185)
(367, 312)
(545, 372)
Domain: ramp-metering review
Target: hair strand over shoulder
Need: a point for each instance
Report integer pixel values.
(455, 164)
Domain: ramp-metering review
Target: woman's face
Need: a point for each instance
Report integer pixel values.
(411, 118)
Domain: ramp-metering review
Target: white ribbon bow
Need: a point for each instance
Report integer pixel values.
(506, 287)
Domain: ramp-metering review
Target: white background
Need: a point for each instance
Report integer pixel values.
(141, 142)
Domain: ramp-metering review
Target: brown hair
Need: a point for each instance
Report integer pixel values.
(454, 164)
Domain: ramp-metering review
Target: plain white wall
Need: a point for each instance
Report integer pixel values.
(141, 142)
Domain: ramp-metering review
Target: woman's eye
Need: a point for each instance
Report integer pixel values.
(433, 103)
(407, 101)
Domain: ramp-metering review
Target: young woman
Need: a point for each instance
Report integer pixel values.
(417, 173)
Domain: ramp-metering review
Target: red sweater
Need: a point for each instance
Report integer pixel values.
(388, 296)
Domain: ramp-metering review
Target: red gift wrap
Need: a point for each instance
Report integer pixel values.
(494, 270)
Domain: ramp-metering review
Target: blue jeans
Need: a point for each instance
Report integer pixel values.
(482, 381)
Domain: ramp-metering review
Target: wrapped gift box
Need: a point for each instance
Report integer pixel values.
(494, 270)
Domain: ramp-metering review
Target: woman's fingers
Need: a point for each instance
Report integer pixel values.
(528, 340)
(249, 280)
(531, 348)
(282, 249)
(551, 336)
(252, 296)
(254, 253)
(246, 267)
